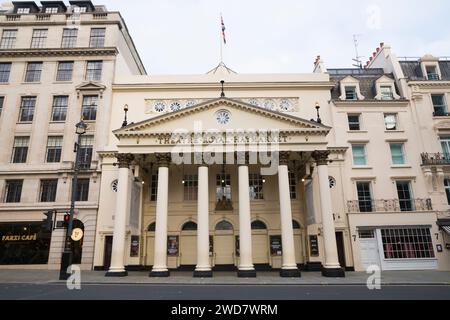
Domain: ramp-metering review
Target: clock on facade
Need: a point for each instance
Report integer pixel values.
(223, 117)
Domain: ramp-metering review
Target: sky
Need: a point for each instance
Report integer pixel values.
(279, 36)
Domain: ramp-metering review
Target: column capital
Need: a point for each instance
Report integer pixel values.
(284, 158)
(321, 157)
(124, 160)
(163, 159)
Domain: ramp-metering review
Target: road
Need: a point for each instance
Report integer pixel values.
(58, 291)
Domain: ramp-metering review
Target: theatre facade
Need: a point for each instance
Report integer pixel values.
(254, 173)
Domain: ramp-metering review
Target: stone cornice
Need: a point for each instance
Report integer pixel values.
(337, 150)
(371, 103)
(230, 85)
(430, 84)
(59, 52)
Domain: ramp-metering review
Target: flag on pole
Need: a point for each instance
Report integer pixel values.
(223, 31)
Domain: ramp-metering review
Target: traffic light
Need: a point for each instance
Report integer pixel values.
(47, 223)
(66, 220)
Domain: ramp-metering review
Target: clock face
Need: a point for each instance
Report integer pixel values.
(223, 117)
(160, 106)
(175, 106)
(285, 105)
(269, 104)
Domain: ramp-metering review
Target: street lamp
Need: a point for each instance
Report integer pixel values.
(66, 259)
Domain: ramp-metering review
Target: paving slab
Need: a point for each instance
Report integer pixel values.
(230, 278)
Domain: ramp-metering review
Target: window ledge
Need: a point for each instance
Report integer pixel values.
(57, 122)
(362, 167)
(31, 82)
(4, 83)
(357, 131)
(394, 131)
(401, 166)
(63, 82)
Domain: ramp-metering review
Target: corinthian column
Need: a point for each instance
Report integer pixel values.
(289, 267)
(117, 268)
(160, 261)
(331, 267)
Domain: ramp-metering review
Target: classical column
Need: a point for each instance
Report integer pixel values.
(331, 267)
(246, 268)
(160, 260)
(289, 267)
(203, 268)
(117, 268)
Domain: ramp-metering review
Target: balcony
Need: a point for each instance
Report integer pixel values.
(389, 206)
(433, 76)
(435, 159)
(440, 111)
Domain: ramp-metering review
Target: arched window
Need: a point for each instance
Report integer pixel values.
(224, 225)
(296, 225)
(189, 226)
(151, 227)
(258, 225)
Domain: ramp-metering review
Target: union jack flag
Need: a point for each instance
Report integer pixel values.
(223, 30)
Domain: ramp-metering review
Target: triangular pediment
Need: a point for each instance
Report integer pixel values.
(90, 86)
(207, 117)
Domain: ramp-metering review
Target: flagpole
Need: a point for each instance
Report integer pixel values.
(221, 40)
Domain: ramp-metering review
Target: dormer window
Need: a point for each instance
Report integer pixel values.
(79, 9)
(51, 10)
(350, 93)
(23, 10)
(432, 73)
(386, 93)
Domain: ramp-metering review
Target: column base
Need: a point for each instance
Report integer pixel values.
(290, 273)
(119, 274)
(246, 274)
(203, 274)
(159, 274)
(333, 272)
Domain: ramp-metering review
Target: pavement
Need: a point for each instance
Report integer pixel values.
(430, 278)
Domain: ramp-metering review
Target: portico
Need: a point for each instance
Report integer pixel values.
(180, 160)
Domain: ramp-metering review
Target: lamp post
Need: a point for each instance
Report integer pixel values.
(66, 259)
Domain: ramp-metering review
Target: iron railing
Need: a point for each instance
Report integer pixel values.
(430, 159)
(389, 205)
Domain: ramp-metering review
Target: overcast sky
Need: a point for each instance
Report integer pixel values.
(279, 36)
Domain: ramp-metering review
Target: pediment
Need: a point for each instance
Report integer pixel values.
(385, 79)
(203, 117)
(349, 79)
(90, 87)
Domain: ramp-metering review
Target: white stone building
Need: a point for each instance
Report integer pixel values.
(57, 65)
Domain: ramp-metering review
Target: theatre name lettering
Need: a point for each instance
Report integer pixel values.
(31, 237)
(222, 138)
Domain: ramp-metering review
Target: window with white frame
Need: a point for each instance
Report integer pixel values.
(82, 192)
(69, 38)
(94, 70)
(350, 93)
(354, 123)
(447, 189)
(9, 38)
(89, 108)
(54, 149)
(407, 243)
(359, 154)
(364, 193)
(390, 121)
(5, 70)
(34, 70)
(23, 10)
(65, 71)
(397, 153)
(59, 108)
(2, 101)
(39, 38)
(79, 9)
(386, 93)
(154, 187)
(13, 191)
(86, 148)
(27, 107)
(439, 105)
(405, 196)
(97, 39)
(51, 10)
(432, 73)
(190, 182)
(47, 192)
(256, 186)
(20, 149)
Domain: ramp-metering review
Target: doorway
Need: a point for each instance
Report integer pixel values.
(341, 249)
(107, 252)
(188, 244)
(260, 243)
(224, 244)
